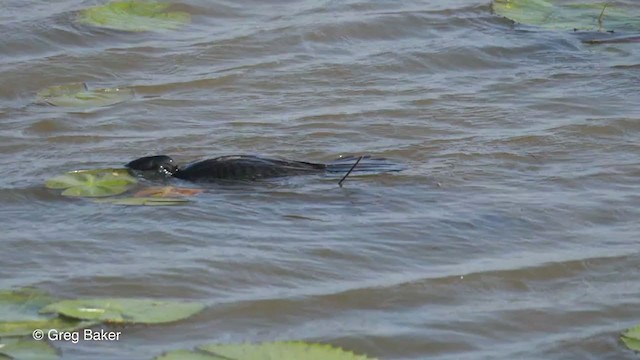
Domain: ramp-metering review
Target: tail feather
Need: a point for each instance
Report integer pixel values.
(368, 165)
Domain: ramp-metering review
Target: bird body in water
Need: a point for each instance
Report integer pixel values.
(249, 167)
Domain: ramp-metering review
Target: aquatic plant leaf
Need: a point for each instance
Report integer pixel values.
(22, 304)
(633, 344)
(288, 350)
(631, 338)
(187, 355)
(167, 191)
(94, 191)
(134, 16)
(79, 95)
(61, 90)
(93, 183)
(19, 314)
(23, 328)
(121, 310)
(145, 201)
(19, 349)
(66, 181)
(585, 15)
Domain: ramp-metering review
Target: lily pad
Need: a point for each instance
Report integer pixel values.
(134, 16)
(22, 304)
(187, 355)
(166, 191)
(18, 349)
(93, 183)
(19, 314)
(588, 15)
(23, 328)
(120, 310)
(289, 350)
(631, 338)
(145, 201)
(79, 95)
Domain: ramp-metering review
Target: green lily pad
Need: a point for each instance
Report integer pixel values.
(93, 183)
(187, 355)
(119, 310)
(18, 349)
(19, 314)
(79, 95)
(588, 15)
(145, 201)
(134, 16)
(288, 350)
(23, 328)
(22, 304)
(631, 338)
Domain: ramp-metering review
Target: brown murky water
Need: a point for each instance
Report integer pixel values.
(513, 235)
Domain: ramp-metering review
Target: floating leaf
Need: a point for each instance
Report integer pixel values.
(22, 304)
(119, 310)
(586, 15)
(79, 95)
(166, 191)
(134, 16)
(145, 201)
(16, 349)
(93, 183)
(19, 314)
(289, 350)
(22, 328)
(631, 338)
(187, 355)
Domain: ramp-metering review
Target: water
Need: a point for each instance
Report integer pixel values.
(513, 233)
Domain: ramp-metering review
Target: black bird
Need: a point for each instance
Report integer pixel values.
(249, 167)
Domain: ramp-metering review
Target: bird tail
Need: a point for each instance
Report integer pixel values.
(367, 165)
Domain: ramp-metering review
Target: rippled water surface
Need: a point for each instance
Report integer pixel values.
(512, 235)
